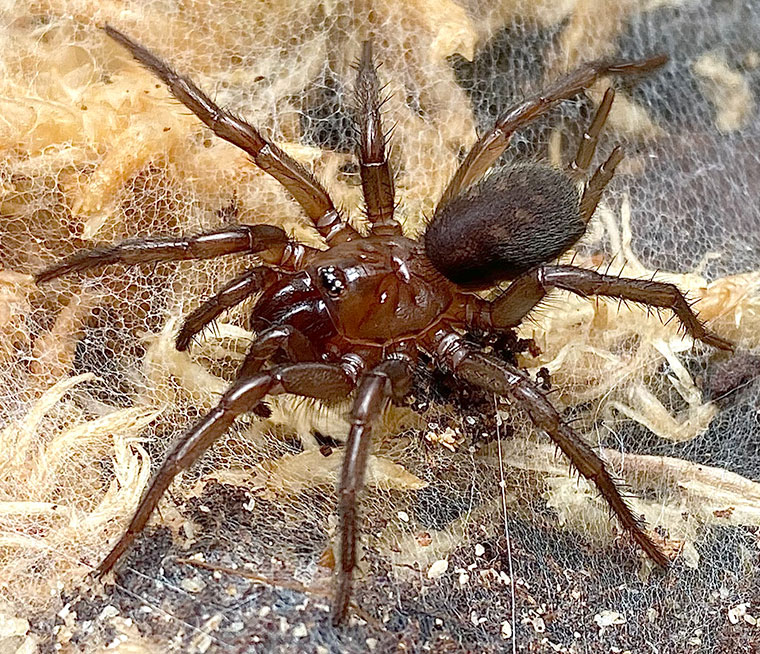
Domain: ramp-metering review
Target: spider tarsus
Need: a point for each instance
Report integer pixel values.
(183, 341)
(46, 275)
(716, 341)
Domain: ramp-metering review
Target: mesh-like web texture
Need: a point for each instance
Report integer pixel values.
(92, 391)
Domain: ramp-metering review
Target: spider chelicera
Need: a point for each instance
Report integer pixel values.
(354, 317)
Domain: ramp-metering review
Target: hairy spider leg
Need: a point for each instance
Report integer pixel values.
(528, 290)
(644, 291)
(391, 378)
(208, 245)
(301, 184)
(230, 295)
(502, 378)
(490, 146)
(376, 174)
(317, 380)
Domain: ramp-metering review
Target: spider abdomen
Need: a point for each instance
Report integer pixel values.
(504, 226)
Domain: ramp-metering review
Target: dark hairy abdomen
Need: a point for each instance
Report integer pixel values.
(504, 226)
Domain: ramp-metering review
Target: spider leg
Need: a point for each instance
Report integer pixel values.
(594, 188)
(301, 184)
(280, 338)
(377, 178)
(504, 379)
(527, 291)
(587, 146)
(390, 378)
(492, 144)
(225, 240)
(655, 294)
(228, 296)
(509, 309)
(317, 380)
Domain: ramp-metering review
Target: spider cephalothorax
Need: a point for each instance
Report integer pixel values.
(354, 318)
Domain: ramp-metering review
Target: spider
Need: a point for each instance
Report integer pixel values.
(355, 317)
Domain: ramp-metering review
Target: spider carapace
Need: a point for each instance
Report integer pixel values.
(354, 317)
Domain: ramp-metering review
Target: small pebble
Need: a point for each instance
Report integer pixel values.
(438, 569)
(300, 631)
(609, 618)
(192, 584)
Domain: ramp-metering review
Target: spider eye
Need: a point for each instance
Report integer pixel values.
(332, 280)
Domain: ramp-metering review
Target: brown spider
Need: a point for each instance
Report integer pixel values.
(355, 316)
